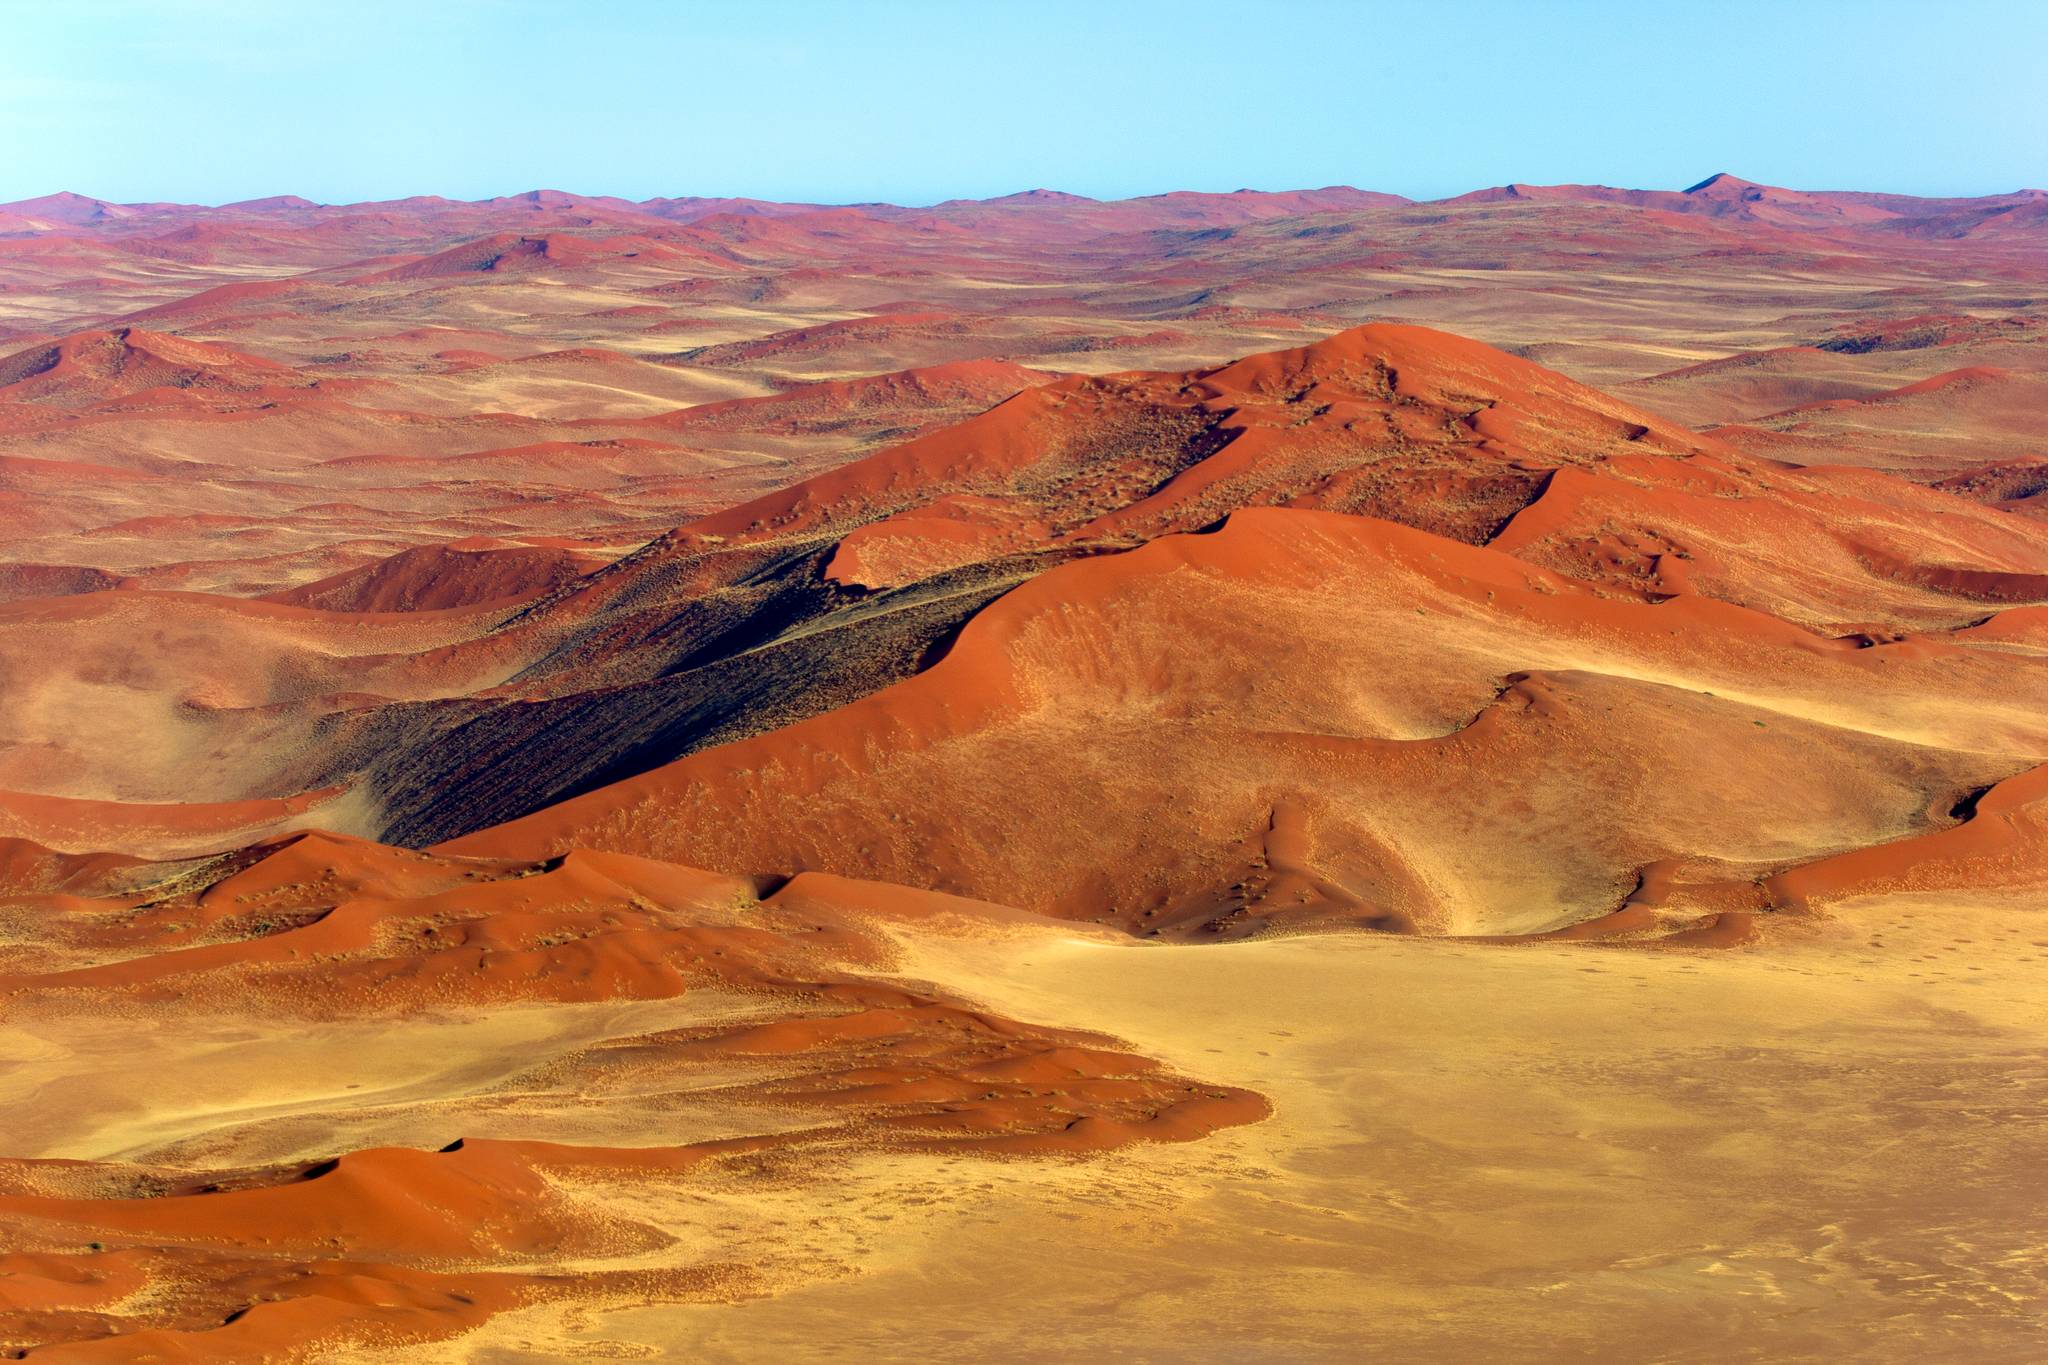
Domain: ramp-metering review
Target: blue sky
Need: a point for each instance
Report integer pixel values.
(213, 100)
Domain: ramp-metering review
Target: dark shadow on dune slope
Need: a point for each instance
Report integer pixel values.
(798, 645)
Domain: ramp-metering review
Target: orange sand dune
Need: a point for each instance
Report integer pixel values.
(960, 388)
(1754, 384)
(161, 830)
(1500, 435)
(509, 252)
(2003, 840)
(92, 367)
(440, 577)
(1939, 424)
(1278, 775)
(394, 1243)
(1488, 423)
(2015, 485)
(1431, 430)
(1102, 683)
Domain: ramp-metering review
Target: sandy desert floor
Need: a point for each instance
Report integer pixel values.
(1532, 1152)
(1538, 1151)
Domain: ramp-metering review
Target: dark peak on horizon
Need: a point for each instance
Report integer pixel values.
(1723, 181)
(1725, 185)
(274, 201)
(1037, 196)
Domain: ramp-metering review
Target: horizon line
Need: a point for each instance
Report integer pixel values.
(1075, 196)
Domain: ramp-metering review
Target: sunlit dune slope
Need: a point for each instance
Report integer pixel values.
(529, 681)
(1333, 717)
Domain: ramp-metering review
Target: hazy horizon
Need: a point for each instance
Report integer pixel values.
(213, 101)
(581, 194)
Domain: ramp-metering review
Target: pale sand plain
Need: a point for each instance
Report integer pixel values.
(1826, 1147)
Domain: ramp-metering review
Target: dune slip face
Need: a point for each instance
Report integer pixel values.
(687, 779)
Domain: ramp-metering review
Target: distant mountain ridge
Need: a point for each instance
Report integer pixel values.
(1721, 195)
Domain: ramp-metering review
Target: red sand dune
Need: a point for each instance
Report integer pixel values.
(92, 367)
(1088, 687)
(438, 577)
(2016, 485)
(394, 1242)
(959, 388)
(512, 253)
(1941, 423)
(789, 656)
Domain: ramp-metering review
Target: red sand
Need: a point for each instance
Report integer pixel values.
(747, 598)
